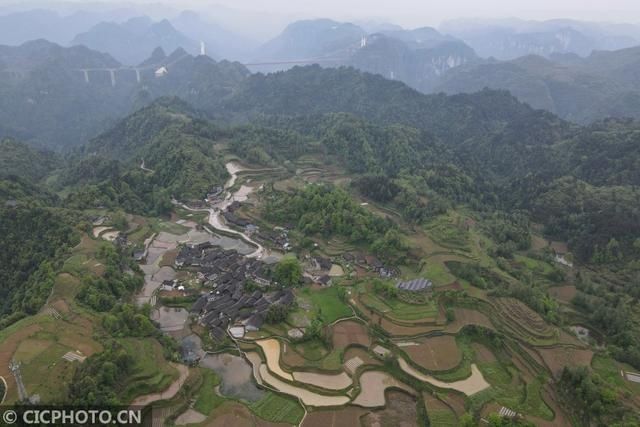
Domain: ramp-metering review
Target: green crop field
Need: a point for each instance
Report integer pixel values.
(397, 309)
(278, 409)
(328, 304)
(442, 417)
(208, 399)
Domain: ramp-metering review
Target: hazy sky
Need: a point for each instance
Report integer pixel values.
(432, 12)
(268, 17)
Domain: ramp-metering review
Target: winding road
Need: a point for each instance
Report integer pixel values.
(216, 220)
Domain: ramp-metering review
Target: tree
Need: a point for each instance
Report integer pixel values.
(277, 313)
(288, 272)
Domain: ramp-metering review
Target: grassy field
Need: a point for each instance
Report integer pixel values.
(534, 265)
(438, 274)
(328, 304)
(316, 355)
(609, 370)
(510, 390)
(397, 309)
(153, 372)
(208, 399)
(278, 409)
(450, 231)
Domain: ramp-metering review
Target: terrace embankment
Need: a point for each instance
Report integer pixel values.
(472, 385)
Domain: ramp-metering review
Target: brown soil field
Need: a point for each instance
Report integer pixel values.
(169, 258)
(456, 401)
(534, 354)
(435, 354)
(483, 354)
(434, 404)
(467, 316)
(454, 286)
(569, 338)
(560, 247)
(373, 385)
(563, 293)
(522, 320)
(399, 330)
(292, 358)
(7, 349)
(347, 417)
(557, 358)
(362, 354)
(400, 411)
(464, 316)
(350, 332)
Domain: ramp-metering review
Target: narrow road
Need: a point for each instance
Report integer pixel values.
(216, 220)
(145, 169)
(169, 393)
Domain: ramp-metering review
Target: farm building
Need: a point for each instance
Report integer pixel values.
(381, 352)
(415, 285)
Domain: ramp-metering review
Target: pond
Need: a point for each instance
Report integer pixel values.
(236, 375)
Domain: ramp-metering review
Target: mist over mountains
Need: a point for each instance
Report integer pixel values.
(578, 70)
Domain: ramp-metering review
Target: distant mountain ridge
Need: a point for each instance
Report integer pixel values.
(131, 41)
(48, 100)
(416, 57)
(579, 89)
(508, 39)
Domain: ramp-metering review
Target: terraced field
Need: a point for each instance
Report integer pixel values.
(434, 354)
(524, 322)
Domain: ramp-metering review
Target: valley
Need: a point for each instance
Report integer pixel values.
(389, 239)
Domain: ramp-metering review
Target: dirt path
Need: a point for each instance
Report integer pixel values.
(169, 393)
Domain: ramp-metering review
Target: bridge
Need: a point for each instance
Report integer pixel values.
(140, 70)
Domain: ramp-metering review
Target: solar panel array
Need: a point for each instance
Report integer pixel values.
(415, 285)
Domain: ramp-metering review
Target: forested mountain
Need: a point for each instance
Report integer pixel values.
(174, 146)
(314, 90)
(582, 90)
(130, 42)
(22, 161)
(515, 156)
(47, 100)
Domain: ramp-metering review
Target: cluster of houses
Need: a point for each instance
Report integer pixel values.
(370, 262)
(215, 194)
(278, 238)
(217, 266)
(232, 302)
(230, 306)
